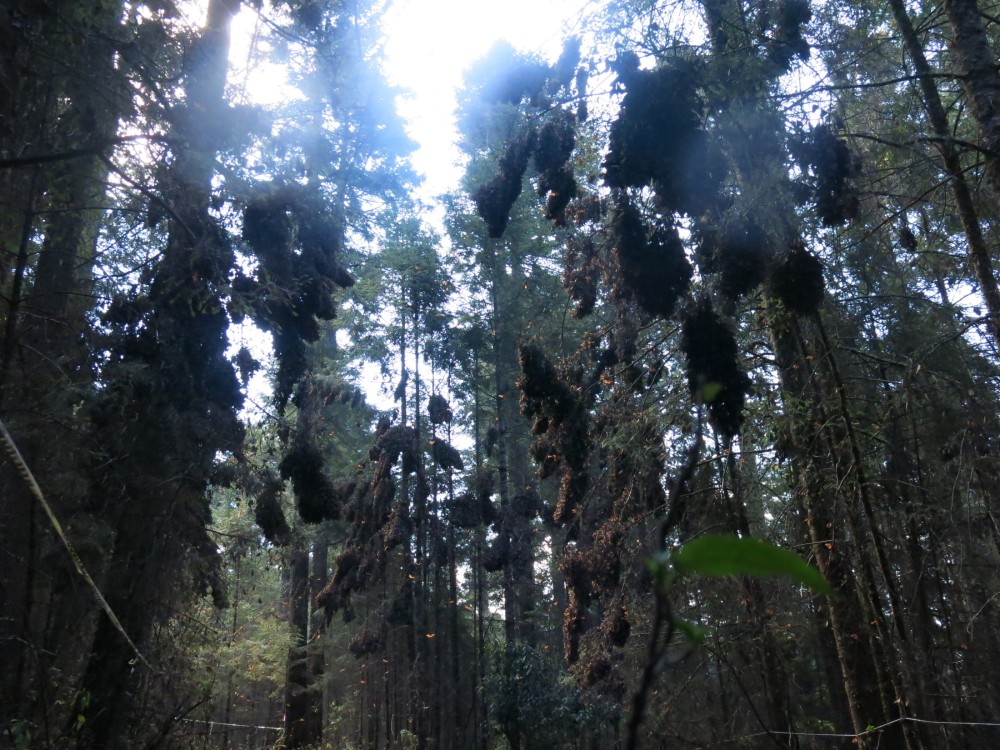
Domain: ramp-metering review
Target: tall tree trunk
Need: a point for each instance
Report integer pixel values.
(507, 536)
(316, 647)
(164, 503)
(977, 61)
(423, 705)
(830, 539)
(227, 716)
(899, 658)
(298, 730)
(70, 103)
(979, 252)
(480, 715)
(513, 466)
(52, 347)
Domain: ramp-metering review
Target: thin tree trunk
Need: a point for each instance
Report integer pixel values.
(479, 708)
(297, 730)
(16, 294)
(316, 647)
(422, 710)
(502, 392)
(456, 738)
(227, 715)
(773, 674)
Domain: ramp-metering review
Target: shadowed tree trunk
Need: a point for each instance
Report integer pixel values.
(157, 492)
(74, 101)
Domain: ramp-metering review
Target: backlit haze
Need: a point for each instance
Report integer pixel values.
(429, 45)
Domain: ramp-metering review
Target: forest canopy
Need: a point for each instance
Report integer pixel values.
(673, 422)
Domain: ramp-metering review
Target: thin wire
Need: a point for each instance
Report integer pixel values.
(953, 723)
(873, 730)
(36, 490)
(227, 724)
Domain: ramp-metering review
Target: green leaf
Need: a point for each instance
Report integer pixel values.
(710, 392)
(659, 566)
(724, 555)
(694, 633)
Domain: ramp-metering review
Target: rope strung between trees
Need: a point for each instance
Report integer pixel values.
(36, 490)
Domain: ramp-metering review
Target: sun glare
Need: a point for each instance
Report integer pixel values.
(430, 44)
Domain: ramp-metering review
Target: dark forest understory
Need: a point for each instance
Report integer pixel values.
(680, 430)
